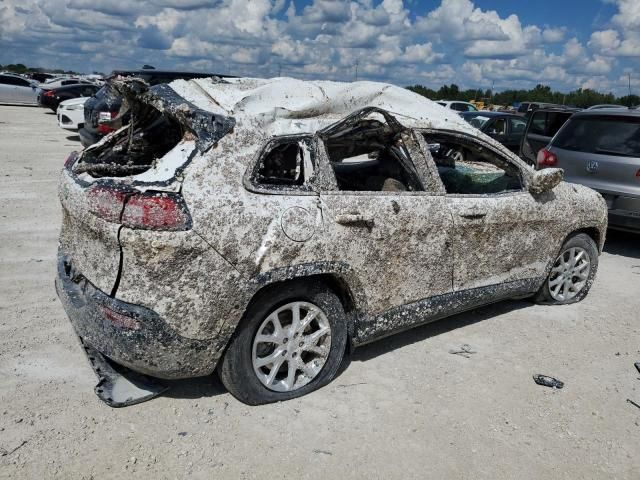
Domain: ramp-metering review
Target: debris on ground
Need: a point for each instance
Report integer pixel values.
(5, 453)
(547, 381)
(633, 403)
(465, 351)
(637, 365)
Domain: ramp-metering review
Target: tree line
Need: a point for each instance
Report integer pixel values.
(581, 98)
(24, 70)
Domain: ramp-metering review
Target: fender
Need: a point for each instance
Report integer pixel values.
(351, 291)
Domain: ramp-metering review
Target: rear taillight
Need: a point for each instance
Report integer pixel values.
(143, 210)
(120, 320)
(105, 117)
(546, 158)
(638, 173)
(162, 211)
(107, 203)
(48, 93)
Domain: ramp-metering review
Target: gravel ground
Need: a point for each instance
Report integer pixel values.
(403, 408)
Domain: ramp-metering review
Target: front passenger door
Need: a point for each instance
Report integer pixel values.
(500, 234)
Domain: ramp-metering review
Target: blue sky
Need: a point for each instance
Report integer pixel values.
(567, 44)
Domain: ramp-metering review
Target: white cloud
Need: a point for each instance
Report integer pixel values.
(390, 40)
(553, 35)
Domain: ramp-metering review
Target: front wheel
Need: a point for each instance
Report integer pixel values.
(572, 273)
(290, 342)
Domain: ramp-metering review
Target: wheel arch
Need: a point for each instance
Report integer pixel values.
(339, 277)
(593, 232)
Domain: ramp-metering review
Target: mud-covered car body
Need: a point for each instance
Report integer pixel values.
(173, 224)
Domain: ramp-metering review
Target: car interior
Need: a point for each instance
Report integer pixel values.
(288, 162)
(367, 154)
(469, 168)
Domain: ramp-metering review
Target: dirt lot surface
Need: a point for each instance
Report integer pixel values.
(403, 408)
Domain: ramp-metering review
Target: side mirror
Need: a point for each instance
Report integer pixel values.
(545, 180)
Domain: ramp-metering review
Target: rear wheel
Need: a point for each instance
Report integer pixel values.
(572, 273)
(290, 342)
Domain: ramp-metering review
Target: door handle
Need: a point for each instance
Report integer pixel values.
(473, 214)
(355, 219)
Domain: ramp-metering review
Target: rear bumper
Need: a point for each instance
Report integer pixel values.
(64, 121)
(88, 138)
(130, 335)
(623, 210)
(624, 221)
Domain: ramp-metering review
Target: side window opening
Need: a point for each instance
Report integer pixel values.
(369, 155)
(499, 127)
(287, 162)
(517, 125)
(538, 123)
(469, 168)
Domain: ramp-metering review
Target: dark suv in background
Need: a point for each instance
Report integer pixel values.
(542, 125)
(104, 106)
(601, 149)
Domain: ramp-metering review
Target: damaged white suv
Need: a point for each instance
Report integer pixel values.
(261, 227)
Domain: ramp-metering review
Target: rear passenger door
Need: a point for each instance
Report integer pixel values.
(516, 127)
(535, 138)
(398, 242)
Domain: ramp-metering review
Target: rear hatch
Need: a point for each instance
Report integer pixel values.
(601, 152)
(130, 178)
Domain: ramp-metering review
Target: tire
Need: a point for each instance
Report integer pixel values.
(249, 383)
(574, 288)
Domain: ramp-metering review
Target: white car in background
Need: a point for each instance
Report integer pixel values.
(458, 106)
(17, 89)
(70, 113)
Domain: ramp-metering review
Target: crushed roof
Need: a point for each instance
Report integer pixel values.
(288, 106)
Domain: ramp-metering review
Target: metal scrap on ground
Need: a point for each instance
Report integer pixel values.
(547, 381)
(465, 351)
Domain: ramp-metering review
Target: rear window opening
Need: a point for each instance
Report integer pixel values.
(287, 163)
(369, 155)
(149, 136)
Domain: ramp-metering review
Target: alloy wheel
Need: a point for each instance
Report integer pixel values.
(569, 274)
(291, 346)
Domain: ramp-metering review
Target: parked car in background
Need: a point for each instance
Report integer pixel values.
(605, 106)
(527, 108)
(70, 113)
(506, 128)
(62, 82)
(101, 111)
(276, 222)
(542, 125)
(51, 98)
(41, 77)
(458, 106)
(17, 89)
(601, 149)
